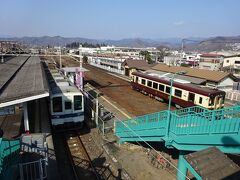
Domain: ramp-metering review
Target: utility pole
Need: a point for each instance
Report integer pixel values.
(182, 44)
(60, 58)
(80, 56)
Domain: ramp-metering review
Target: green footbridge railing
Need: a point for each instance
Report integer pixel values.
(190, 129)
(9, 158)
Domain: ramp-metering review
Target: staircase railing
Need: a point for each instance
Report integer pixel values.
(9, 155)
(36, 170)
(150, 121)
(188, 121)
(225, 121)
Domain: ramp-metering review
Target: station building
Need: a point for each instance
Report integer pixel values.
(131, 65)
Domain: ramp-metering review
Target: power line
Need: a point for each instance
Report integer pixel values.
(158, 153)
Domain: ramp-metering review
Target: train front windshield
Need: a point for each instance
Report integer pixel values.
(77, 103)
(57, 104)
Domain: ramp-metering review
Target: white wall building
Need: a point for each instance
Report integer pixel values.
(232, 64)
(210, 66)
(107, 63)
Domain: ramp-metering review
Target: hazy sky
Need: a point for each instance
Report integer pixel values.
(116, 19)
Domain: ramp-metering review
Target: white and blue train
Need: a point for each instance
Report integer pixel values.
(66, 101)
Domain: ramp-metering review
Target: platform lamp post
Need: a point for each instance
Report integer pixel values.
(80, 74)
(170, 100)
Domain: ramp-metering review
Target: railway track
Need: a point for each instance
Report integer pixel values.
(81, 158)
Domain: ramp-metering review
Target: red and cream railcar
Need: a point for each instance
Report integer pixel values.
(183, 95)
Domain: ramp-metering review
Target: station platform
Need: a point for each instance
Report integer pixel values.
(12, 125)
(109, 111)
(38, 113)
(23, 85)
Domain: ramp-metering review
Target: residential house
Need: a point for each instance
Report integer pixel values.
(232, 64)
(211, 62)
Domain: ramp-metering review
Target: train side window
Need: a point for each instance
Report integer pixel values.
(149, 83)
(161, 87)
(191, 97)
(143, 81)
(155, 85)
(168, 89)
(200, 100)
(68, 105)
(178, 93)
(57, 104)
(77, 103)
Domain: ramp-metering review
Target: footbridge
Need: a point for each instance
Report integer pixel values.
(188, 129)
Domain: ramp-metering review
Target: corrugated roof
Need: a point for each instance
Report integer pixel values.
(8, 69)
(211, 163)
(211, 55)
(139, 64)
(193, 80)
(28, 82)
(193, 72)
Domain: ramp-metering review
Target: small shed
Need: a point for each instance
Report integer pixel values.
(132, 65)
(211, 164)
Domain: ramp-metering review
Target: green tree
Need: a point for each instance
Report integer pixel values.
(185, 65)
(147, 56)
(85, 59)
(162, 53)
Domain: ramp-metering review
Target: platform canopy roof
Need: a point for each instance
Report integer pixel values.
(74, 69)
(22, 79)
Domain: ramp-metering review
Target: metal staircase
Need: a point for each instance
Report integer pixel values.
(34, 157)
(9, 158)
(24, 158)
(190, 129)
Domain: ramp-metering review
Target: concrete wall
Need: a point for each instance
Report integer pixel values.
(230, 61)
(209, 66)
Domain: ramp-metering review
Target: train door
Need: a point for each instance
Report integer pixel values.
(68, 104)
(191, 97)
(136, 79)
(219, 102)
(216, 100)
(78, 103)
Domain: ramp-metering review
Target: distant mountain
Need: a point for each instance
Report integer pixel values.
(62, 41)
(48, 40)
(218, 43)
(192, 43)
